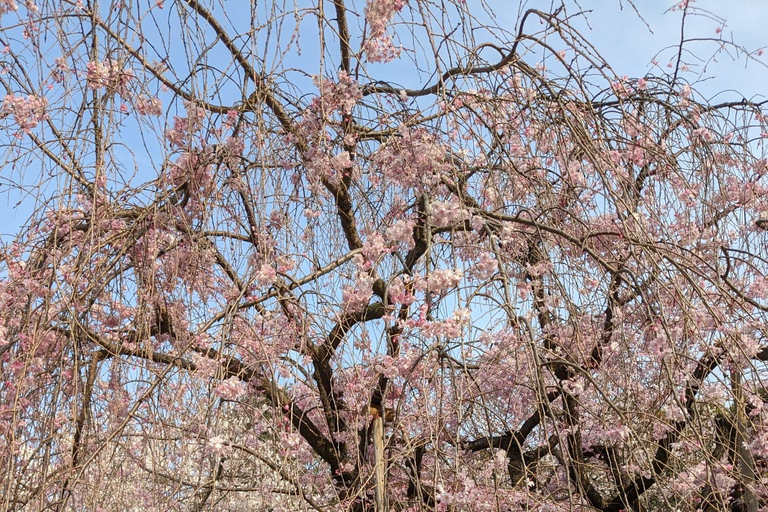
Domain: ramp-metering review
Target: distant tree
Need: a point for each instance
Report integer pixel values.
(392, 255)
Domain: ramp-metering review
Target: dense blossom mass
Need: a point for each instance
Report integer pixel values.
(383, 255)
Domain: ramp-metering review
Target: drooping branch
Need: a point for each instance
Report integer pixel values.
(230, 367)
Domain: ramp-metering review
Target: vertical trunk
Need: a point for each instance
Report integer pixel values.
(746, 464)
(380, 470)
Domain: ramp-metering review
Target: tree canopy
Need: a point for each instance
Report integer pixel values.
(382, 255)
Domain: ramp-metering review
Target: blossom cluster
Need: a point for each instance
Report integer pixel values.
(185, 127)
(356, 298)
(193, 169)
(440, 281)
(321, 165)
(450, 328)
(381, 49)
(149, 106)
(401, 232)
(415, 159)
(378, 13)
(218, 445)
(109, 74)
(11, 5)
(266, 275)
(341, 95)
(231, 389)
(485, 266)
(447, 213)
(27, 112)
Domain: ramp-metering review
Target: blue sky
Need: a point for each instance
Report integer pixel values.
(626, 41)
(629, 45)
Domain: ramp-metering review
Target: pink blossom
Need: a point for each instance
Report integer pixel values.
(703, 134)
(27, 112)
(193, 169)
(398, 292)
(620, 87)
(341, 95)
(195, 116)
(109, 74)
(185, 127)
(441, 281)
(539, 269)
(381, 49)
(374, 248)
(414, 160)
(401, 232)
(8, 5)
(617, 433)
(689, 481)
(234, 146)
(759, 443)
(485, 266)
(680, 6)
(341, 161)
(443, 499)
(218, 445)
(266, 275)
(378, 13)
(356, 298)
(447, 213)
(149, 106)
(231, 389)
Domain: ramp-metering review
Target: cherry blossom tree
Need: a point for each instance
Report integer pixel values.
(381, 255)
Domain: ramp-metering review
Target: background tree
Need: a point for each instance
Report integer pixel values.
(344, 256)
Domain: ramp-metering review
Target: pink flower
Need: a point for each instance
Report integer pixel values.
(217, 445)
(617, 433)
(401, 232)
(266, 275)
(374, 248)
(443, 499)
(703, 134)
(27, 112)
(341, 95)
(441, 281)
(446, 213)
(356, 297)
(8, 5)
(398, 293)
(485, 267)
(231, 389)
(184, 127)
(109, 74)
(381, 49)
(378, 13)
(149, 106)
(620, 87)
